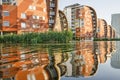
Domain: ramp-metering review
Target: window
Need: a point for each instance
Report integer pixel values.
(35, 26)
(23, 25)
(35, 17)
(43, 18)
(44, 9)
(6, 23)
(4, 1)
(23, 15)
(6, 13)
(81, 22)
(38, 17)
(32, 7)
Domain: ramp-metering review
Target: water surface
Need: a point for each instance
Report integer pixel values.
(85, 60)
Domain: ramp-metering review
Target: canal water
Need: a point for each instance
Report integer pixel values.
(85, 60)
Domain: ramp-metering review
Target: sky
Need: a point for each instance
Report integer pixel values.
(103, 8)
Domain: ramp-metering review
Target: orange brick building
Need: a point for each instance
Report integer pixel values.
(87, 17)
(23, 16)
(102, 29)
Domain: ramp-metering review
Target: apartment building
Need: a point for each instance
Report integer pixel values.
(8, 16)
(109, 32)
(26, 16)
(21, 16)
(102, 29)
(70, 12)
(87, 22)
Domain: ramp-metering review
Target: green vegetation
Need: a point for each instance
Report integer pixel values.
(48, 37)
(105, 39)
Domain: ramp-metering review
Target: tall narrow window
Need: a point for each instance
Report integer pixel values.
(6, 23)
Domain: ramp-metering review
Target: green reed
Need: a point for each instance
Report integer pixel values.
(48, 37)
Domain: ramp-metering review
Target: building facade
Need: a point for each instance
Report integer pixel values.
(21, 16)
(87, 22)
(70, 12)
(24, 16)
(102, 29)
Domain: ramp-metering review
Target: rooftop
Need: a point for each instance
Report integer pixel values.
(73, 5)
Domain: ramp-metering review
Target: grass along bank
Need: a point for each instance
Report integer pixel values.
(106, 39)
(33, 38)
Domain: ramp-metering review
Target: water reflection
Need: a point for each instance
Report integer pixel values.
(51, 62)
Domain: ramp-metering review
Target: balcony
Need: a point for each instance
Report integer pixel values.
(52, 13)
(8, 2)
(51, 21)
(52, 4)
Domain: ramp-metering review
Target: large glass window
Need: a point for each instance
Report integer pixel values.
(6, 23)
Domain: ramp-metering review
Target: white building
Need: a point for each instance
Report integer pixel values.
(70, 12)
(115, 22)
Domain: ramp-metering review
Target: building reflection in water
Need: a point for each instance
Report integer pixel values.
(115, 59)
(22, 62)
(102, 51)
(83, 61)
